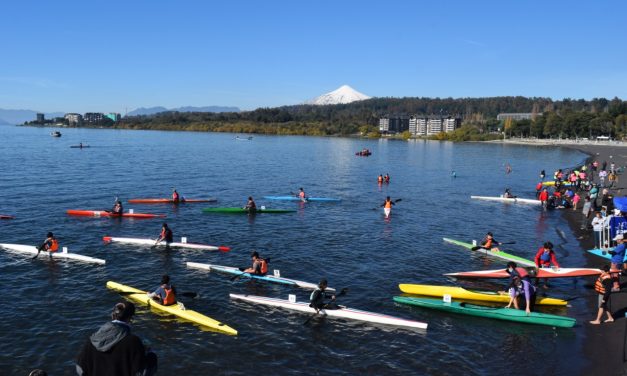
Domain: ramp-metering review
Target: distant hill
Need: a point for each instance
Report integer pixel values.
(158, 109)
(20, 116)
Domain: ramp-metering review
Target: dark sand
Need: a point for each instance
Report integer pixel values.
(605, 344)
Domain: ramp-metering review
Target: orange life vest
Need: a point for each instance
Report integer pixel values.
(388, 204)
(54, 245)
(175, 196)
(301, 195)
(598, 285)
(488, 243)
(380, 179)
(264, 266)
(170, 298)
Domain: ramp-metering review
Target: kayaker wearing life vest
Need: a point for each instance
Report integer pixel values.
(301, 195)
(260, 265)
(250, 205)
(318, 296)
(490, 243)
(117, 207)
(387, 207)
(49, 245)
(603, 286)
(165, 235)
(175, 196)
(165, 294)
(386, 179)
(380, 179)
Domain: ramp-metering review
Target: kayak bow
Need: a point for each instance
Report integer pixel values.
(151, 242)
(461, 293)
(104, 213)
(59, 254)
(500, 254)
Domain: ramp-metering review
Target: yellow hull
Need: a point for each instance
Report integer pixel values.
(140, 296)
(461, 293)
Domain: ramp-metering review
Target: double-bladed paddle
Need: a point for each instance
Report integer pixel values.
(479, 247)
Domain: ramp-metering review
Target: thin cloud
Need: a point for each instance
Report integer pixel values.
(36, 82)
(473, 42)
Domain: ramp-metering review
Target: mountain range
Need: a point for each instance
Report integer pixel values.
(12, 117)
(157, 109)
(344, 94)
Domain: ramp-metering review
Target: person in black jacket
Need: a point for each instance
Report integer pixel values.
(113, 350)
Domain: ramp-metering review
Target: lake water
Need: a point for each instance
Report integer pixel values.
(53, 306)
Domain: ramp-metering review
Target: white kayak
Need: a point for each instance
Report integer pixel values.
(343, 312)
(59, 254)
(182, 244)
(267, 277)
(515, 200)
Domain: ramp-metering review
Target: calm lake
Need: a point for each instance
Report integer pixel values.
(53, 306)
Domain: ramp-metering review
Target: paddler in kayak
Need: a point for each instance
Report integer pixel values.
(387, 207)
(165, 294)
(50, 245)
(380, 179)
(301, 195)
(250, 205)
(386, 179)
(117, 209)
(508, 194)
(490, 243)
(260, 265)
(318, 296)
(175, 196)
(544, 258)
(165, 235)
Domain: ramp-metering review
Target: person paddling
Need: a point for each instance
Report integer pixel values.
(117, 209)
(380, 179)
(175, 196)
(301, 195)
(165, 235)
(508, 194)
(260, 265)
(165, 294)
(250, 205)
(386, 179)
(387, 207)
(49, 245)
(318, 296)
(489, 243)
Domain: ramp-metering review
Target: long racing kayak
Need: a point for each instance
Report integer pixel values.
(295, 198)
(32, 250)
(551, 183)
(461, 293)
(508, 314)
(104, 213)
(514, 200)
(539, 273)
(343, 312)
(175, 309)
(169, 200)
(246, 211)
(4, 216)
(268, 277)
(500, 254)
(151, 242)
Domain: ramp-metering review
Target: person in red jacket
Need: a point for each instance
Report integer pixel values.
(544, 197)
(544, 258)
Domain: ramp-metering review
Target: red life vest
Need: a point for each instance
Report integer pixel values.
(175, 196)
(264, 266)
(539, 186)
(54, 245)
(170, 298)
(598, 285)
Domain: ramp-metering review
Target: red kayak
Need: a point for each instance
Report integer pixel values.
(541, 273)
(2, 216)
(168, 200)
(103, 213)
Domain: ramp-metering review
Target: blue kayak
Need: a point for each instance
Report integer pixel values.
(295, 198)
(604, 254)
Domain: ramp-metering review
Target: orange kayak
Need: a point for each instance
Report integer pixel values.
(168, 200)
(104, 213)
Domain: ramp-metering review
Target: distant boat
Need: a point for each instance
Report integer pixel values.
(55, 134)
(249, 138)
(79, 146)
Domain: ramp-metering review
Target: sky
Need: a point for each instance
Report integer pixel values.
(117, 55)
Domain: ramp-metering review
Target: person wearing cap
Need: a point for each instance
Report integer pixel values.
(259, 267)
(114, 350)
(318, 296)
(603, 286)
(490, 243)
(165, 294)
(618, 256)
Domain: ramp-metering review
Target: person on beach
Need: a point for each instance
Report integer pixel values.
(612, 178)
(387, 207)
(598, 222)
(165, 234)
(602, 176)
(544, 258)
(317, 299)
(617, 260)
(604, 166)
(603, 286)
(165, 294)
(594, 193)
(259, 267)
(586, 207)
(490, 243)
(250, 205)
(522, 287)
(113, 350)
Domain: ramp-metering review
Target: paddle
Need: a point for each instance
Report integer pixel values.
(479, 247)
(39, 249)
(342, 292)
(185, 294)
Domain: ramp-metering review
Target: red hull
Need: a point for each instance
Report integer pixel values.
(102, 213)
(541, 273)
(2, 216)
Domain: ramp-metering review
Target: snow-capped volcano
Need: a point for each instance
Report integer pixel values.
(345, 94)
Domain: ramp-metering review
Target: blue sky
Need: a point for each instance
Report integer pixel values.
(80, 56)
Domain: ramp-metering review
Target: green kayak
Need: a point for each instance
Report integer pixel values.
(245, 211)
(508, 314)
(500, 254)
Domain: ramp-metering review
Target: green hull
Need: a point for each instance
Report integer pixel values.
(500, 255)
(508, 314)
(246, 211)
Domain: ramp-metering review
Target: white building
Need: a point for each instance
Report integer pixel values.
(434, 126)
(384, 125)
(449, 124)
(74, 119)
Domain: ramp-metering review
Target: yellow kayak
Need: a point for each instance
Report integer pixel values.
(461, 293)
(176, 310)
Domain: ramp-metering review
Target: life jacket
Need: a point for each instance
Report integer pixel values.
(545, 257)
(54, 245)
(175, 196)
(264, 266)
(598, 285)
(539, 186)
(170, 297)
(380, 179)
(301, 194)
(488, 243)
(388, 204)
